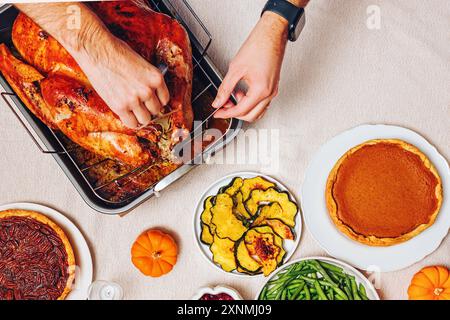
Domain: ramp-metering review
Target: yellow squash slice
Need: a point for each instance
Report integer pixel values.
(223, 253)
(227, 225)
(285, 210)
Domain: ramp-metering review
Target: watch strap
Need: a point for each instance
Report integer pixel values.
(287, 10)
(283, 8)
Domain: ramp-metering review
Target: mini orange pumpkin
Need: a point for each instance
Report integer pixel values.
(154, 253)
(430, 283)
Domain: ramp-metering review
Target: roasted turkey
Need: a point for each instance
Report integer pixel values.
(55, 89)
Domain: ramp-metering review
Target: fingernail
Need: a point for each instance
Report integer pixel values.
(216, 103)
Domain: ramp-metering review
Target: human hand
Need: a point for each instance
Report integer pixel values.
(258, 64)
(133, 88)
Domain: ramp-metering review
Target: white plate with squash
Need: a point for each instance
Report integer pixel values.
(247, 224)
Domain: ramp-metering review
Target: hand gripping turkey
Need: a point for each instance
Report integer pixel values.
(52, 85)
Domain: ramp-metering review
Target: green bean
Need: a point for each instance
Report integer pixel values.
(298, 291)
(296, 280)
(309, 280)
(296, 284)
(263, 294)
(289, 295)
(319, 290)
(283, 295)
(330, 294)
(307, 293)
(341, 293)
(355, 289)
(327, 284)
(293, 268)
(271, 296)
(348, 288)
(362, 292)
(322, 271)
(278, 286)
(313, 280)
(298, 265)
(283, 291)
(363, 297)
(331, 267)
(338, 297)
(284, 288)
(302, 272)
(279, 294)
(292, 286)
(276, 281)
(362, 289)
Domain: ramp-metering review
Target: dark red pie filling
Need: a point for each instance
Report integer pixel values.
(219, 296)
(33, 261)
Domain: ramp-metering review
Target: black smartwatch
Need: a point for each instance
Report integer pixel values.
(293, 14)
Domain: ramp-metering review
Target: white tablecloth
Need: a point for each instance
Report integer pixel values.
(338, 75)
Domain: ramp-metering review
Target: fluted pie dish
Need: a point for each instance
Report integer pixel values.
(377, 257)
(37, 261)
(383, 192)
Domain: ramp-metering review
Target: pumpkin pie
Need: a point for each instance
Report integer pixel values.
(36, 259)
(383, 192)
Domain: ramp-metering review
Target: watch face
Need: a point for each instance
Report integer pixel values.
(298, 27)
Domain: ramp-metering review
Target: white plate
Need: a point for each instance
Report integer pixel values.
(348, 269)
(213, 189)
(319, 223)
(83, 259)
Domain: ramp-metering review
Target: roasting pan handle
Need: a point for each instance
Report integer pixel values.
(171, 178)
(36, 140)
(203, 26)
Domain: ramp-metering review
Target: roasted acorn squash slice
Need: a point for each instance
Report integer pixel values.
(257, 183)
(262, 246)
(278, 226)
(239, 206)
(223, 253)
(277, 239)
(206, 237)
(271, 196)
(240, 270)
(234, 186)
(244, 260)
(227, 225)
(206, 215)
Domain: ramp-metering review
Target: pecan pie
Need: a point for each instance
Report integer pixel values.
(36, 259)
(383, 192)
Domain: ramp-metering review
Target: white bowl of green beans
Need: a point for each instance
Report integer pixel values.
(317, 278)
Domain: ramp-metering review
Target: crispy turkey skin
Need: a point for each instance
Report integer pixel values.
(52, 85)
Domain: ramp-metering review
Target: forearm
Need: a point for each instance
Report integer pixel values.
(57, 19)
(278, 23)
